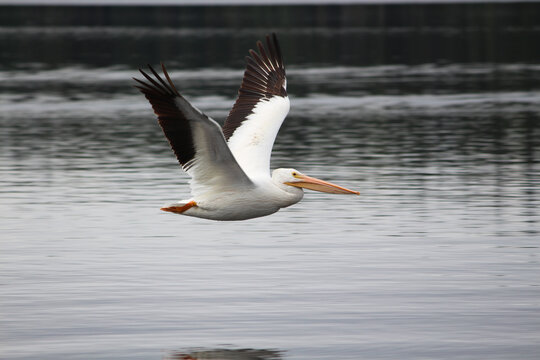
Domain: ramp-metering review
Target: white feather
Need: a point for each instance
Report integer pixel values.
(213, 167)
(251, 143)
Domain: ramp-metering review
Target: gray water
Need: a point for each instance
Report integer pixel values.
(437, 259)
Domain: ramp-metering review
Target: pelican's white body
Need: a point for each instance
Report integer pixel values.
(264, 197)
(240, 188)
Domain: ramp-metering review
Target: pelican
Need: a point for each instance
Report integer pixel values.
(230, 166)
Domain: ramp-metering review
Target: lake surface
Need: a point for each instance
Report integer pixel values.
(431, 112)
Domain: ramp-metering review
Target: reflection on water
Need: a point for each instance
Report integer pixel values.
(226, 354)
(434, 117)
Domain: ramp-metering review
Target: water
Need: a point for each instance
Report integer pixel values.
(437, 125)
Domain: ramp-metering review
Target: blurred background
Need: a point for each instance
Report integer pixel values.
(430, 110)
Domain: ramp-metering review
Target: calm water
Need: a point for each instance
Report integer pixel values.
(433, 113)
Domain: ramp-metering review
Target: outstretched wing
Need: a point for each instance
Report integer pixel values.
(196, 140)
(259, 111)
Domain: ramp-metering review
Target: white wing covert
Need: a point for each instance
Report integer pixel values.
(259, 111)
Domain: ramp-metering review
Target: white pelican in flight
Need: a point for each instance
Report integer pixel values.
(230, 166)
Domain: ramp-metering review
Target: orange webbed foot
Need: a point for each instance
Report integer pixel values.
(179, 209)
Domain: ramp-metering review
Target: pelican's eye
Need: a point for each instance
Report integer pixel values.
(294, 174)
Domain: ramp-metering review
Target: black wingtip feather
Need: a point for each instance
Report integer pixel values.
(169, 79)
(171, 118)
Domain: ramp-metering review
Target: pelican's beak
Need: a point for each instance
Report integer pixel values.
(312, 183)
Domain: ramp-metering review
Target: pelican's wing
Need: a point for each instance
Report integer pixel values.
(259, 111)
(197, 140)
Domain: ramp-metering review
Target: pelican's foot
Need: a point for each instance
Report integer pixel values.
(179, 209)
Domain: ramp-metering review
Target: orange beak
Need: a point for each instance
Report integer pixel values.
(312, 183)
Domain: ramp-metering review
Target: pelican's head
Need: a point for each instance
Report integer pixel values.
(292, 177)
